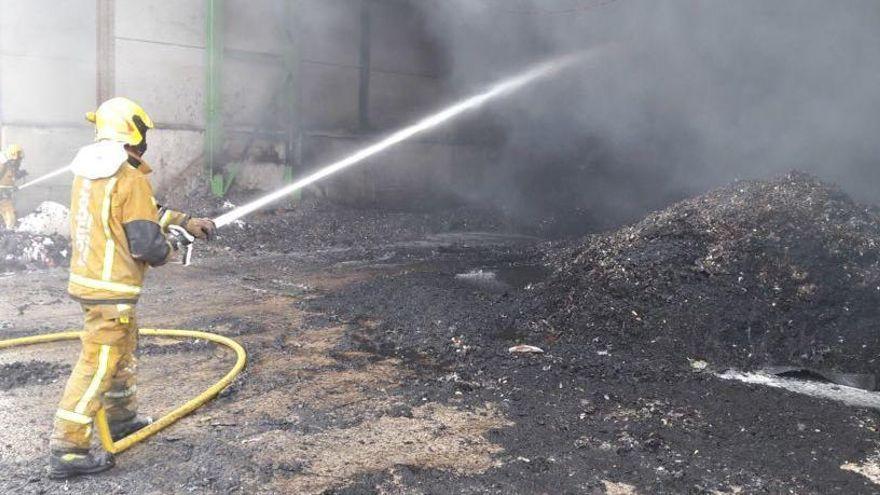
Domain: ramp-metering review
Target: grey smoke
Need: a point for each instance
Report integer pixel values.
(697, 93)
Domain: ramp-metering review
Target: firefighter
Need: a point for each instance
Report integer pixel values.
(10, 171)
(117, 232)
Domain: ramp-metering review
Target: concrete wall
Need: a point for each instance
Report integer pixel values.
(414, 174)
(47, 82)
(160, 63)
(48, 74)
(405, 82)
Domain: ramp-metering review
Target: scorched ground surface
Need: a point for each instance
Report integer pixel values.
(377, 369)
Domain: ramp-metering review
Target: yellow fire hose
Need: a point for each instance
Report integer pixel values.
(101, 420)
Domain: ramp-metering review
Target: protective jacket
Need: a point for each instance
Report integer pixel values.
(117, 229)
(8, 172)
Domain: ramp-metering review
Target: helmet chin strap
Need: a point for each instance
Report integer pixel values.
(135, 153)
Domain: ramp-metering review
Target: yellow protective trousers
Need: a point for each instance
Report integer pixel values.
(7, 212)
(104, 375)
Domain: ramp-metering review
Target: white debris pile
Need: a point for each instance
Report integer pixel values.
(50, 219)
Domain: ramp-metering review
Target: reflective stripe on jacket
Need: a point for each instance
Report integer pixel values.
(115, 235)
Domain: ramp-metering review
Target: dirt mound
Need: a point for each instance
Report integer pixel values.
(785, 271)
(24, 251)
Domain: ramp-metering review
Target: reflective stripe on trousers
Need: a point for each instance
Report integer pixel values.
(106, 364)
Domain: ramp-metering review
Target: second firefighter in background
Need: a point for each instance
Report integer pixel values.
(117, 232)
(10, 172)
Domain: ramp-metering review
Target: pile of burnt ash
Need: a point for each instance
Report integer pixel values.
(21, 251)
(779, 272)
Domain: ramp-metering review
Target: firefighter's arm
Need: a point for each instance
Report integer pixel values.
(167, 217)
(146, 240)
(200, 228)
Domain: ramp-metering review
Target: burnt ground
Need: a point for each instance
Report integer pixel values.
(20, 374)
(598, 413)
(379, 368)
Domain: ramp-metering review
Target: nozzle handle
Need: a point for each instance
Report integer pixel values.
(184, 240)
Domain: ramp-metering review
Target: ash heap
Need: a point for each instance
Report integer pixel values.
(780, 272)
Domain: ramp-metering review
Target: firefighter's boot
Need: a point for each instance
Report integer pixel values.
(77, 462)
(122, 429)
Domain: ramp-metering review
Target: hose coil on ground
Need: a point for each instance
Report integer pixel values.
(165, 421)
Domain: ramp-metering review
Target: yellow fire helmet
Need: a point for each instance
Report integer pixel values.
(13, 151)
(117, 120)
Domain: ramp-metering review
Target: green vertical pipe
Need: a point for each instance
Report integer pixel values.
(214, 25)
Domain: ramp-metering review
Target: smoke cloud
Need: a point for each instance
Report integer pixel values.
(695, 94)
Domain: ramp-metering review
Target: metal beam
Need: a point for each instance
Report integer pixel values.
(365, 62)
(106, 54)
(291, 61)
(214, 25)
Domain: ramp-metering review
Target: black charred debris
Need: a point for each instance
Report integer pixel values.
(784, 272)
(779, 272)
(20, 374)
(757, 273)
(23, 251)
